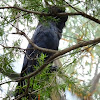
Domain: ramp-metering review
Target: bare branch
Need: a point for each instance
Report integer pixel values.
(13, 47)
(59, 53)
(94, 83)
(95, 80)
(34, 45)
(6, 82)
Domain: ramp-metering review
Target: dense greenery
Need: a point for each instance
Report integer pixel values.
(79, 67)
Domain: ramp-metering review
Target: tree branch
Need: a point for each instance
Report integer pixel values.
(59, 14)
(59, 53)
(22, 9)
(37, 12)
(34, 45)
(84, 14)
(14, 47)
(94, 83)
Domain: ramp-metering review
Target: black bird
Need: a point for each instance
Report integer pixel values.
(46, 35)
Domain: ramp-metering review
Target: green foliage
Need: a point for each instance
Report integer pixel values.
(32, 4)
(40, 84)
(5, 66)
(7, 59)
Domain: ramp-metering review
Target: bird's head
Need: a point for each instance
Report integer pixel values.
(60, 19)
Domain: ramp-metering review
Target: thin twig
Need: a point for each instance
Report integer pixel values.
(6, 82)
